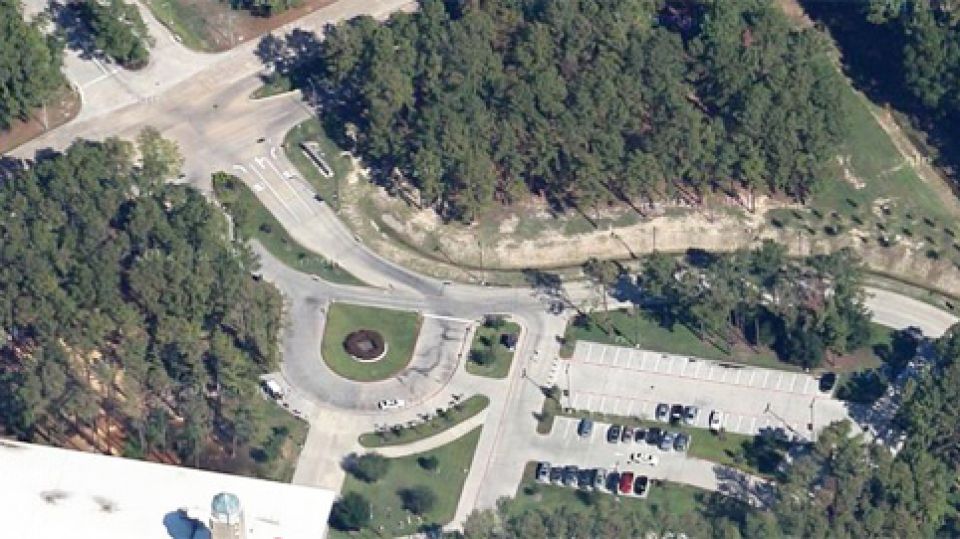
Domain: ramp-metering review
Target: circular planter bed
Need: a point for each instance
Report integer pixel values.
(365, 345)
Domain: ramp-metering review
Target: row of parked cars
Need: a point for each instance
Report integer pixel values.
(677, 413)
(597, 479)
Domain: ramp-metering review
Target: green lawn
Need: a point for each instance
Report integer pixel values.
(399, 329)
(279, 85)
(664, 497)
(446, 482)
(187, 20)
(254, 221)
(328, 188)
(486, 340)
(628, 330)
(405, 435)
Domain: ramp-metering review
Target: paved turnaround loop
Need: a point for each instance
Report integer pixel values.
(202, 101)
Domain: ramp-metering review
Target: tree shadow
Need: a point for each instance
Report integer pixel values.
(73, 28)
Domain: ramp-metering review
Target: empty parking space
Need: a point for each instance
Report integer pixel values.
(629, 382)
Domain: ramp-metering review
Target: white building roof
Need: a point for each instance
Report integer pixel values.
(50, 493)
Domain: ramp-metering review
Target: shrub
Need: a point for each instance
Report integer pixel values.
(351, 512)
(370, 467)
(418, 500)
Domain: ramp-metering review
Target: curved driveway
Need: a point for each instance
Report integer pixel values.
(218, 128)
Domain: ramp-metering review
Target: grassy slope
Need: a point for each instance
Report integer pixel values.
(328, 188)
(446, 482)
(399, 329)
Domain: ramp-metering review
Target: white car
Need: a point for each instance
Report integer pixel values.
(716, 420)
(645, 458)
(390, 404)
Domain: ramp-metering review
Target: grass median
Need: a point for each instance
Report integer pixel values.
(254, 221)
(340, 165)
(449, 418)
(398, 328)
(488, 355)
(389, 518)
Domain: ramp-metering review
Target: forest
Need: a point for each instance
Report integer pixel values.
(802, 309)
(128, 319)
(839, 486)
(29, 65)
(583, 102)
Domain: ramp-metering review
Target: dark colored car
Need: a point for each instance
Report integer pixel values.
(681, 442)
(599, 478)
(613, 434)
(653, 436)
(827, 381)
(626, 435)
(640, 435)
(585, 428)
(676, 413)
(556, 474)
(613, 481)
(666, 441)
(626, 482)
(543, 472)
(640, 485)
(570, 475)
(663, 412)
(585, 478)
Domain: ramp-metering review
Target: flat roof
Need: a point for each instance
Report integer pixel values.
(56, 493)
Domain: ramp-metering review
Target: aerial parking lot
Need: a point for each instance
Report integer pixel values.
(630, 382)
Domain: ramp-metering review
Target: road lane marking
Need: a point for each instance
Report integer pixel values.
(285, 181)
(277, 195)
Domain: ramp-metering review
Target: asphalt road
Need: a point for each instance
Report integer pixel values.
(208, 112)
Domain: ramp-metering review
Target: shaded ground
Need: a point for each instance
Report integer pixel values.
(212, 26)
(62, 108)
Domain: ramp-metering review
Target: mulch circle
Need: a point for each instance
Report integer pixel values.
(365, 345)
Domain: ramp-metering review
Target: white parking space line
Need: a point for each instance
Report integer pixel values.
(793, 383)
(710, 373)
(656, 366)
(603, 352)
(616, 357)
(739, 372)
(697, 373)
(589, 402)
(766, 379)
(753, 424)
(739, 422)
(779, 380)
(753, 374)
(566, 428)
(806, 386)
(629, 407)
(603, 404)
(575, 400)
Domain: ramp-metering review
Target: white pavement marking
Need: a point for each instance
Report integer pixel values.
(806, 386)
(697, 374)
(277, 195)
(241, 168)
(752, 375)
(739, 372)
(603, 352)
(616, 357)
(450, 318)
(779, 380)
(793, 383)
(739, 422)
(643, 361)
(285, 181)
(766, 379)
(710, 373)
(753, 424)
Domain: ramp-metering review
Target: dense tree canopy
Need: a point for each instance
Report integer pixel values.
(29, 65)
(118, 31)
(121, 293)
(583, 101)
(801, 308)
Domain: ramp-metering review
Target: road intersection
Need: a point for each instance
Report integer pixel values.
(207, 109)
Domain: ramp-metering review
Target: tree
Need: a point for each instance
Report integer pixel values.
(118, 31)
(370, 467)
(482, 356)
(429, 462)
(418, 500)
(351, 512)
(30, 72)
(159, 157)
(604, 274)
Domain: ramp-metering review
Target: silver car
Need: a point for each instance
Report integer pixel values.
(666, 441)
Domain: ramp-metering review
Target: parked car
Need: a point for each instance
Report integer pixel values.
(827, 381)
(626, 482)
(690, 414)
(390, 404)
(682, 442)
(666, 441)
(640, 435)
(585, 428)
(663, 412)
(627, 434)
(556, 474)
(716, 420)
(599, 478)
(676, 413)
(654, 435)
(613, 481)
(543, 472)
(570, 475)
(640, 485)
(585, 478)
(613, 434)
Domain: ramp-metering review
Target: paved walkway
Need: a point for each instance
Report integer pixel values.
(434, 441)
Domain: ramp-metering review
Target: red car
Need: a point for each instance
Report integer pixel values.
(626, 482)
